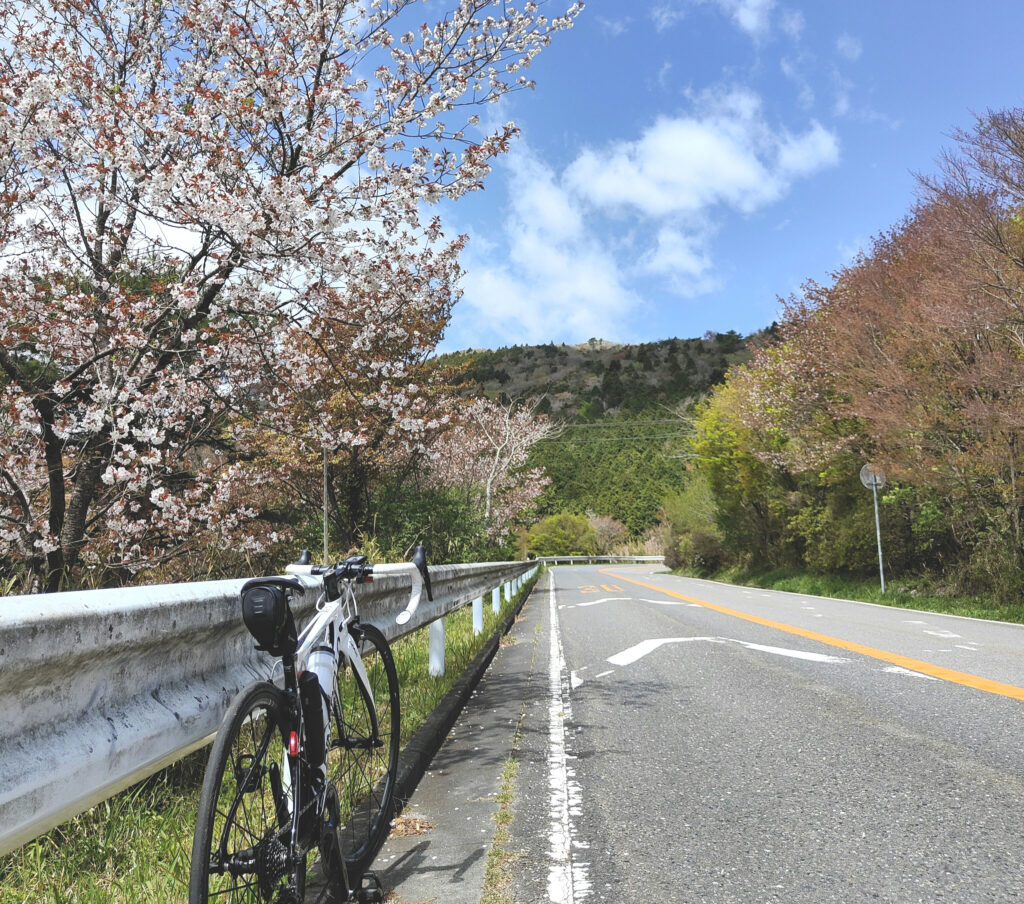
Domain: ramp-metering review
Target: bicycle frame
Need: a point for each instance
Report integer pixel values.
(339, 614)
(330, 631)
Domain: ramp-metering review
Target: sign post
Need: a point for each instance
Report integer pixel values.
(874, 480)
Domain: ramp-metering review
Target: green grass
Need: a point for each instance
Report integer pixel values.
(497, 887)
(137, 845)
(908, 593)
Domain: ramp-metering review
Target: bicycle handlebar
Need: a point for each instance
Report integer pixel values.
(357, 568)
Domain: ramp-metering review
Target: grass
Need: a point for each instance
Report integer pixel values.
(136, 846)
(498, 870)
(908, 593)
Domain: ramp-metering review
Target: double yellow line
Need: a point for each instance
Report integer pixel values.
(906, 662)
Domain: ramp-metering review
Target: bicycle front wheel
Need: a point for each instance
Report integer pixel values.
(362, 763)
(242, 852)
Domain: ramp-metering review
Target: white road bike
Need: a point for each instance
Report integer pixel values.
(301, 777)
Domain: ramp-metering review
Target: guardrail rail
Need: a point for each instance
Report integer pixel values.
(101, 688)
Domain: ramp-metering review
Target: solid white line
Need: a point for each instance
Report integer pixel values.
(568, 881)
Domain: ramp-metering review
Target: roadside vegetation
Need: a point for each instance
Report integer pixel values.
(910, 361)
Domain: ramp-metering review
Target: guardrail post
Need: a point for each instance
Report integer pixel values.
(436, 663)
(478, 615)
(496, 600)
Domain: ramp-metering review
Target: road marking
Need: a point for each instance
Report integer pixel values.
(914, 665)
(587, 588)
(793, 654)
(646, 647)
(604, 599)
(899, 670)
(568, 879)
(611, 588)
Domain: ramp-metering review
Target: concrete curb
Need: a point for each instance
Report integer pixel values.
(428, 738)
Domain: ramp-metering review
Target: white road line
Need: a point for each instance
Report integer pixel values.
(568, 878)
(606, 599)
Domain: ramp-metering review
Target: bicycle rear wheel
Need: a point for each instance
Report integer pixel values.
(361, 764)
(241, 849)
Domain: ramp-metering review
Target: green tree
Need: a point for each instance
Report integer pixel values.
(562, 535)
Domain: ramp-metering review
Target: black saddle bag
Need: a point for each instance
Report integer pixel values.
(268, 616)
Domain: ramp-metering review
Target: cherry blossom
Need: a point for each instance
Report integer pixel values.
(196, 200)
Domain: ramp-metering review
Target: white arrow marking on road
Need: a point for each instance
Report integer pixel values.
(793, 654)
(899, 670)
(638, 651)
(645, 647)
(606, 599)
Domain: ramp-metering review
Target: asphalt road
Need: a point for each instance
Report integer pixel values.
(687, 741)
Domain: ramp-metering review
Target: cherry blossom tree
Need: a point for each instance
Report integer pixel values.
(194, 197)
(485, 453)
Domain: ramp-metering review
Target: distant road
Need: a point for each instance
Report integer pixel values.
(708, 743)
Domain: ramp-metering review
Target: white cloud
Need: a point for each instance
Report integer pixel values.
(792, 23)
(793, 71)
(559, 278)
(803, 155)
(614, 27)
(576, 249)
(849, 47)
(686, 166)
(752, 16)
(665, 15)
(684, 259)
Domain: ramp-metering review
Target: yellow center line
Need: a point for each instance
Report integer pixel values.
(906, 662)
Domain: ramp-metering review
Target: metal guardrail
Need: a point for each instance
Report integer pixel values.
(100, 688)
(597, 560)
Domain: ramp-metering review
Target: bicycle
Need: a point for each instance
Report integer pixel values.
(309, 768)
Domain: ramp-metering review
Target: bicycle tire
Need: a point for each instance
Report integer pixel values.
(364, 775)
(240, 848)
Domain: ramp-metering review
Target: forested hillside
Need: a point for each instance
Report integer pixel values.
(621, 447)
(590, 380)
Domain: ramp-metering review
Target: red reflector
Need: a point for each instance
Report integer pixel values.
(368, 579)
(293, 744)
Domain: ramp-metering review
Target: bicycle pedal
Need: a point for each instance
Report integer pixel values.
(373, 894)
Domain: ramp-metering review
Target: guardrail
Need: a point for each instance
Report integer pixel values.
(597, 560)
(100, 688)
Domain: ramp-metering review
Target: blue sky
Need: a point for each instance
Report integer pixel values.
(683, 163)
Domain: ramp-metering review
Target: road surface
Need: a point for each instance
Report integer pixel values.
(689, 741)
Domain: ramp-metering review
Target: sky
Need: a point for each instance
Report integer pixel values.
(683, 164)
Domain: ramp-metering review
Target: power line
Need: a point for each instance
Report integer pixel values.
(611, 439)
(624, 424)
